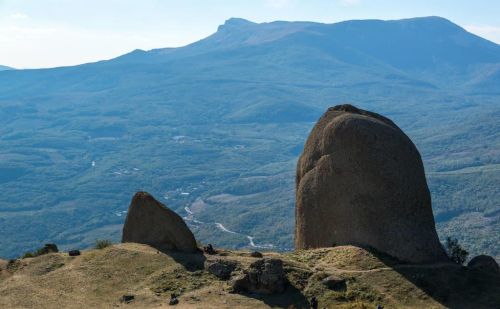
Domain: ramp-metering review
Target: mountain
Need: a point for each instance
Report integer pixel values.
(431, 42)
(214, 128)
(3, 68)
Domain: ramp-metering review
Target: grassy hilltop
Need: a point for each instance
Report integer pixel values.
(99, 278)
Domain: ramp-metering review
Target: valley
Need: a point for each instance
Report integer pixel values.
(224, 120)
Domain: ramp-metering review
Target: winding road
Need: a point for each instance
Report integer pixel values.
(251, 243)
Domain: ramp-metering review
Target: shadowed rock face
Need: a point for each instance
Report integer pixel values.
(360, 180)
(150, 222)
(264, 276)
(485, 263)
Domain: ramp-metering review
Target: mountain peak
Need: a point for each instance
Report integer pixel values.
(428, 18)
(234, 22)
(432, 21)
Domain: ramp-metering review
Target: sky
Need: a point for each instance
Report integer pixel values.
(49, 33)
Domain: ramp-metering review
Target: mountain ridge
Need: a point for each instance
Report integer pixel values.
(239, 26)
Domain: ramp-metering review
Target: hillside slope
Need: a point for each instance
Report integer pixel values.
(214, 129)
(99, 278)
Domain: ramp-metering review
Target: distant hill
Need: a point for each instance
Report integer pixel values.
(215, 128)
(3, 68)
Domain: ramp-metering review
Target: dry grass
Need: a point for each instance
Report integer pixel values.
(98, 278)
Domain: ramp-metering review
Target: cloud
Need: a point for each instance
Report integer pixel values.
(491, 33)
(18, 16)
(349, 2)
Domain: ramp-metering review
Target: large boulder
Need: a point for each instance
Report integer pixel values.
(360, 181)
(150, 222)
(484, 263)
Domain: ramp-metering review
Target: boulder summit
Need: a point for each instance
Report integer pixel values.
(360, 181)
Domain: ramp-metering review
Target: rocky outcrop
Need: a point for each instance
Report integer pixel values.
(150, 222)
(484, 263)
(265, 276)
(334, 283)
(74, 252)
(222, 269)
(360, 180)
(256, 254)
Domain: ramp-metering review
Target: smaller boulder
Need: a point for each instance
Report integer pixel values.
(222, 269)
(74, 252)
(334, 283)
(240, 283)
(208, 249)
(173, 300)
(265, 276)
(484, 263)
(127, 298)
(152, 223)
(256, 254)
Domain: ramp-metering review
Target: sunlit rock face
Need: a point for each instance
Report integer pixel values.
(360, 180)
(152, 223)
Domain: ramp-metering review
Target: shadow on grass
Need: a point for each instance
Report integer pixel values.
(452, 285)
(290, 298)
(190, 261)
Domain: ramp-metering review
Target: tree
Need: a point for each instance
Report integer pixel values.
(456, 253)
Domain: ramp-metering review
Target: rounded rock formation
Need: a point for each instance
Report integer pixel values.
(360, 181)
(484, 263)
(150, 222)
(264, 276)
